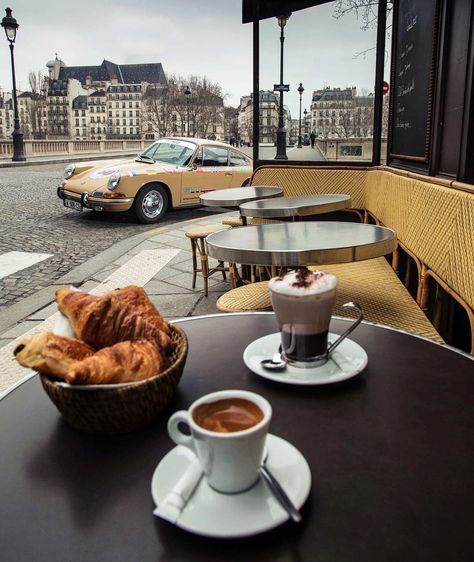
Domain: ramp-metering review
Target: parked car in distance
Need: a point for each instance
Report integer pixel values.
(170, 173)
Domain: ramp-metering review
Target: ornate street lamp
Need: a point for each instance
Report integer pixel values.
(281, 131)
(187, 93)
(300, 91)
(305, 124)
(10, 26)
(237, 128)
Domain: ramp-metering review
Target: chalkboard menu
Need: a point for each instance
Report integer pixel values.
(415, 28)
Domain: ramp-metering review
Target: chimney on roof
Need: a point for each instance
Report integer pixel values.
(114, 79)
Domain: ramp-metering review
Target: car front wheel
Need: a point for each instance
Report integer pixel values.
(150, 204)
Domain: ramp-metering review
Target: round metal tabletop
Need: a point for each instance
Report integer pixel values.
(303, 205)
(301, 243)
(233, 197)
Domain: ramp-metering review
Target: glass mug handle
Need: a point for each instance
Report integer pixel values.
(351, 328)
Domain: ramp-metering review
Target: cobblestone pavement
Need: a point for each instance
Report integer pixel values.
(34, 220)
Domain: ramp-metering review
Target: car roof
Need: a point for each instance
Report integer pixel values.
(202, 141)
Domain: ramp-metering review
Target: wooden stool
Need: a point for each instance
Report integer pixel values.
(197, 237)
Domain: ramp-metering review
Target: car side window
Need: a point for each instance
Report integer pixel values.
(237, 159)
(214, 156)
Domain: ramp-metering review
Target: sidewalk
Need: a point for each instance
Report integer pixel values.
(159, 260)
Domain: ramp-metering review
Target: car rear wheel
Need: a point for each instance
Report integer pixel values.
(150, 203)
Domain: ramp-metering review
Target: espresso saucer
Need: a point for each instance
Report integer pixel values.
(213, 514)
(346, 361)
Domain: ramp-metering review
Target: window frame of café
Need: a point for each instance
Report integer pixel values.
(256, 10)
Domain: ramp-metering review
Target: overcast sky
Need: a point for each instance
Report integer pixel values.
(204, 37)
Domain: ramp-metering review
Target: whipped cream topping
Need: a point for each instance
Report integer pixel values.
(303, 282)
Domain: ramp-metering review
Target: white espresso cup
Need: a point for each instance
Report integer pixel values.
(230, 459)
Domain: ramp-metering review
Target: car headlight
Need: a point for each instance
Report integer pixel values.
(114, 180)
(69, 171)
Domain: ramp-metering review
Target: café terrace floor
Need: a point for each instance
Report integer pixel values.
(159, 260)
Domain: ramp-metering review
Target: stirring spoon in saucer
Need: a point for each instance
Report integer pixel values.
(280, 493)
(276, 363)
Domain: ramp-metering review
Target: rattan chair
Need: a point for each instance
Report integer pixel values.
(197, 237)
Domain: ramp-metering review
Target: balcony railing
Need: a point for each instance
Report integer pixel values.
(64, 146)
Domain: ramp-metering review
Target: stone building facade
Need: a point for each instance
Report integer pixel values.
(269, 103)
(341, 113)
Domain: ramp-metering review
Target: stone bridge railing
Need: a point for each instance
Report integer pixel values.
(34, 148)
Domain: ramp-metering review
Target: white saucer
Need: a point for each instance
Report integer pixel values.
(346, 361)
(212, 514)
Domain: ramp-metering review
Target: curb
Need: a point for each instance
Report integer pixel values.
(21, 310)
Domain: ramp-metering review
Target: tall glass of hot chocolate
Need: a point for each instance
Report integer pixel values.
(303, 302)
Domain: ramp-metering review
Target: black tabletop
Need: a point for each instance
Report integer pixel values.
(391, 453)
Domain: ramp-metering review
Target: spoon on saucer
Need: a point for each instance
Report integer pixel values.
(279, 492)
(276, 363)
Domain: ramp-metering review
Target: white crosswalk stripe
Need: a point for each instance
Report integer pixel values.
(11, 262)
(137, 271)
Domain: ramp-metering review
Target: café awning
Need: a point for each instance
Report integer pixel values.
(273, 8)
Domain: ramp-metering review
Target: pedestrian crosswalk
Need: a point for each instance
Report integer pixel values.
(11, 262)
(138, 270)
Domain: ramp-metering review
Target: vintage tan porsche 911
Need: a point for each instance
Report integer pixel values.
(172, 172)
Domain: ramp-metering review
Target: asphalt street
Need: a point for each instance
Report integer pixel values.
(33, 219)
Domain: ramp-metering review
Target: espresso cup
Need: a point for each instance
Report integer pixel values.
(303, 302)
(228, 431)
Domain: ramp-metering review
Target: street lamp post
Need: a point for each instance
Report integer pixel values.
(281, 131)
(300, 90)
(237, 128)
(10, 26)
(187, 93)
(305, 124)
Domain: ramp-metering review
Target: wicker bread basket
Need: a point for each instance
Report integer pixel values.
(123, 408)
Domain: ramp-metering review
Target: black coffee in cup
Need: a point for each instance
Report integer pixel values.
(228, 415)
(303, 302)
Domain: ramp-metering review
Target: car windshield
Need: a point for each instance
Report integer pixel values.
(169, 151)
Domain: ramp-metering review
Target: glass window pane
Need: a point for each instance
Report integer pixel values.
(331, 53)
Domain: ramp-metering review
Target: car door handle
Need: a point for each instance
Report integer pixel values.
(228, 173)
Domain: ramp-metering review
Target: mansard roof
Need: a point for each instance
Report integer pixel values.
(124, 73)
(80, 102)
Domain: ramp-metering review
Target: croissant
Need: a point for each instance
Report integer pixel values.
(51, 354)
(106, 320)
(135, 299)
(126, 361)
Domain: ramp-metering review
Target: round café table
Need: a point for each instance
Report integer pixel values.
(391, 452)
(296, 207)
(301, 243)
(235, 196)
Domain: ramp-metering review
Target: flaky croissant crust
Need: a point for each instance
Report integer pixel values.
(120, 315)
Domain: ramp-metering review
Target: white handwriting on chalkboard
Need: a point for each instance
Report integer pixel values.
(400, 109)
(406, 50)
(404, 69)
(402, 124)
(403, 90)
(410, 21)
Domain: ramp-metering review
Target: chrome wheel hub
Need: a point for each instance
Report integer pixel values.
(152, 204)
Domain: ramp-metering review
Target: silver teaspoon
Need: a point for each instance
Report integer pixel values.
(276, 363)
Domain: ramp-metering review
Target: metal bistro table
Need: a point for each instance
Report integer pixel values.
(296, 207)
(302, 243)
(391, 453)
(235, 196)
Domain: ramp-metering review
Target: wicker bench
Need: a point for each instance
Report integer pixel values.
(434, 222)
